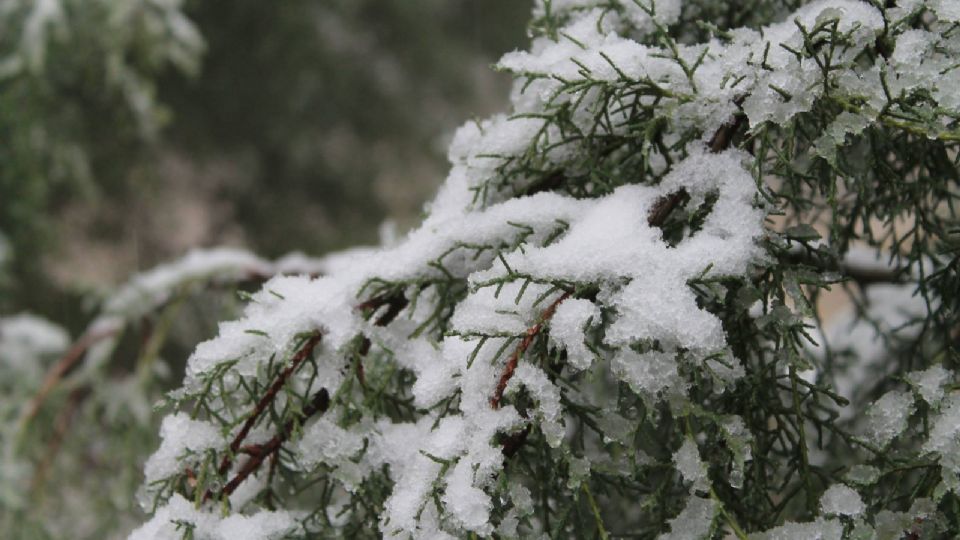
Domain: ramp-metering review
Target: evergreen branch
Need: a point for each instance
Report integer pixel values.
(61, 425)
(864, 274)
(102, 329)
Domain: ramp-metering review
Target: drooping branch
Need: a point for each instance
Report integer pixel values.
(63, 366)
(110, 325)
(60, 426)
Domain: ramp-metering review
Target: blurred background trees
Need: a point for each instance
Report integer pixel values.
(134, 130)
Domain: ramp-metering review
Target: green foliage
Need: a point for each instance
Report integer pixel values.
(526, 365)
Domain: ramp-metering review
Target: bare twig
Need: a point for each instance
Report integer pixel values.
(723, 137)
(721, 140)
(664, 205)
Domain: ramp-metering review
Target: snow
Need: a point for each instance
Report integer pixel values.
(653, 374)
(841, 500)
(930, 383)
(820, 529)
(862, 475)
(693, 522)
(147, 290)
(946, 10)
(567, 330)
(738, 439)
(754, 64)
(45, 15)
(27, 341)
(324, 442)
(183, 442)
(547, 396)
(944, 440)
(170, 521)
(691, 467)
(469, 505)
(887, 417)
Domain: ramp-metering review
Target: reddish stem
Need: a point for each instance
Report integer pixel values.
(305, 351)
(261, 452)
(525, 343)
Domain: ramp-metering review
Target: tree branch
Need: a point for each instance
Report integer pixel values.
(305, 351)
(62, 367)
(721, 140)
(525, 343)
(658, 215)
(260, 452)
(395, 302)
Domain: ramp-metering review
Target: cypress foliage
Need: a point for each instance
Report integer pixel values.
(700, 282)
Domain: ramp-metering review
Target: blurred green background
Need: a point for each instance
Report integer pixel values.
(133, 130)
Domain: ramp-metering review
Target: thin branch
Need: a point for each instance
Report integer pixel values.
(62, 367)
(305, 351)
(260, 452)
(395, 302)
(863, 273)
(525, 343)
(721, 140)
(60, 427)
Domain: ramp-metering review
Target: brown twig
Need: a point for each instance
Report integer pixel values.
(260, 452)
(721, 140)
(395, 302)
(60, 427)
(305, 351)
(63, 366)
(664, 205)
(525, 343)
(723, 137)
